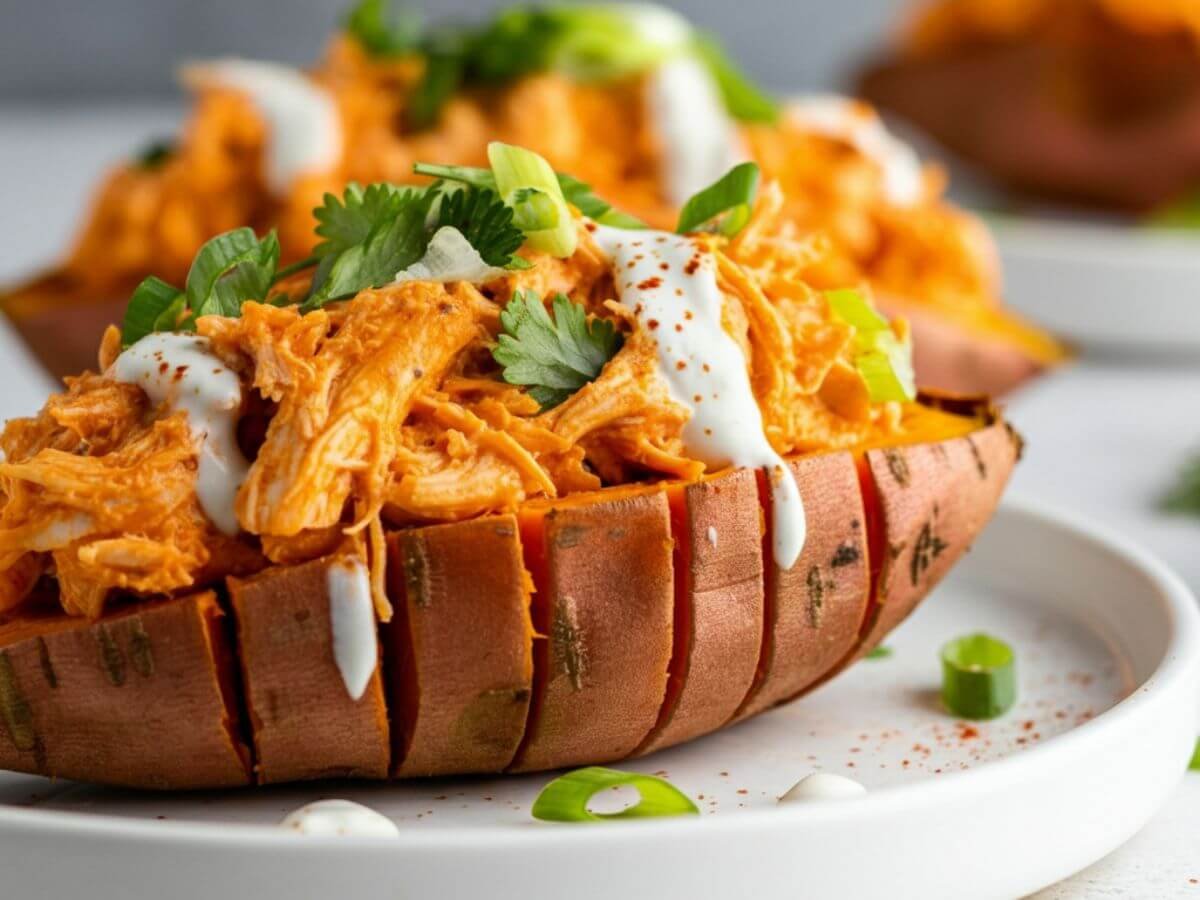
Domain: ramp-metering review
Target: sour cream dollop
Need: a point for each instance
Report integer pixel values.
(669, 283)
(352, 621)
(859, 126)
(699, 141)
(181, 371)
(823, 786)
(305, 128)
(339, 818)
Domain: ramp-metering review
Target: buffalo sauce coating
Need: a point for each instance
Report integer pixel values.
(181, 371)
(856, 124)
(305, 130)
(669, 283)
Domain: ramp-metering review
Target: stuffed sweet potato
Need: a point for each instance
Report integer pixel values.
(632, 101)
(488, 486)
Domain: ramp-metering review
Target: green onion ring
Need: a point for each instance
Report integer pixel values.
(979, 677)
(566, 798)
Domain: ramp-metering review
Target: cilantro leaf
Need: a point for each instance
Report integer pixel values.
(553, 356)
(445, 64)
(347, 222)
(484, 220)
(392, 243)
(230, 269)
(382, 30)
(150, 307)
(154, 154)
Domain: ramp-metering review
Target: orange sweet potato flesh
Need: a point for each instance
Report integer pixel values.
(136, 699)
(604, 606)
(305, 723)
(645, 630)
(460, 646)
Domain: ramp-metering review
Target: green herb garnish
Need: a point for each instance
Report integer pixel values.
(1184, 497)
(552, 356)
(723, 206)
(154, 154)
(1194, 763)
(979, 677)
(382, 29)
(879, 653)
(580, 195)
(882, 359)
(154, 306)
(743, 99)
(566, 798)
(229, 270)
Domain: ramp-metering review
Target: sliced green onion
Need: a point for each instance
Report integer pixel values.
(582, 197)
(1194, 764)
(879, 653)
(566, 798)
(516, 168)
(724, 205)
(533, 210)
(599, 42)
(882, 359)
(476, 177)
(743, 99)
(979, 677)
(154, 303)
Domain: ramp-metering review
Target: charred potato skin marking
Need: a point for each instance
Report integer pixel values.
(606, 615)
(928, 524)
(460, 650)
(719, 606)
(818, 605)
(305, 724)
(134, 700)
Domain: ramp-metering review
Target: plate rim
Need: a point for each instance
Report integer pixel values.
(1177, 669)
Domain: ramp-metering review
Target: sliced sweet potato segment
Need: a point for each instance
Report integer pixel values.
(305, 723)
(141, 698)
(604, 599)
(933, 501)
(460, 647)
(718, 527)
(816, 608)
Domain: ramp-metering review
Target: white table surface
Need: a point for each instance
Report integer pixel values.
(1104, 437)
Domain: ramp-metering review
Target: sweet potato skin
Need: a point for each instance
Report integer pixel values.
(721, 587)
(817, 607)
(950, 357)
(934, 500)
(460, 647)
(133, 700)
(305, 724)
(607, 607)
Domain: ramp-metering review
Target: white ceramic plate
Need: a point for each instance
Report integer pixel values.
(1108, 647)
(1105, 286)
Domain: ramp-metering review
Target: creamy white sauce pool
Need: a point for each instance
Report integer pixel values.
(823, 786)
(302, 118)
(699, 141)
(670, 286)
(181, 371)
(352, 620)
(339, 818)
(857, 125)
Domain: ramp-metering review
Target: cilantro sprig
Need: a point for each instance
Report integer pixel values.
(384, 29)
(553, 355)
(1184, 496)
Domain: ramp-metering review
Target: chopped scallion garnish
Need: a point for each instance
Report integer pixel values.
(725, 205)
(566, 798)
(518, 171)
(979, 677)
(883, 359)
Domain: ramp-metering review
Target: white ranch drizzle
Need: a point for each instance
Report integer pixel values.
(823, 786)
(302, 118)
(700, 143)
(859, 126)
(339, 818)
(352, 621)
(670, 285)
(181, 371)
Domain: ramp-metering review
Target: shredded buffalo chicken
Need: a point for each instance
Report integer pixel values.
(388, 409)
